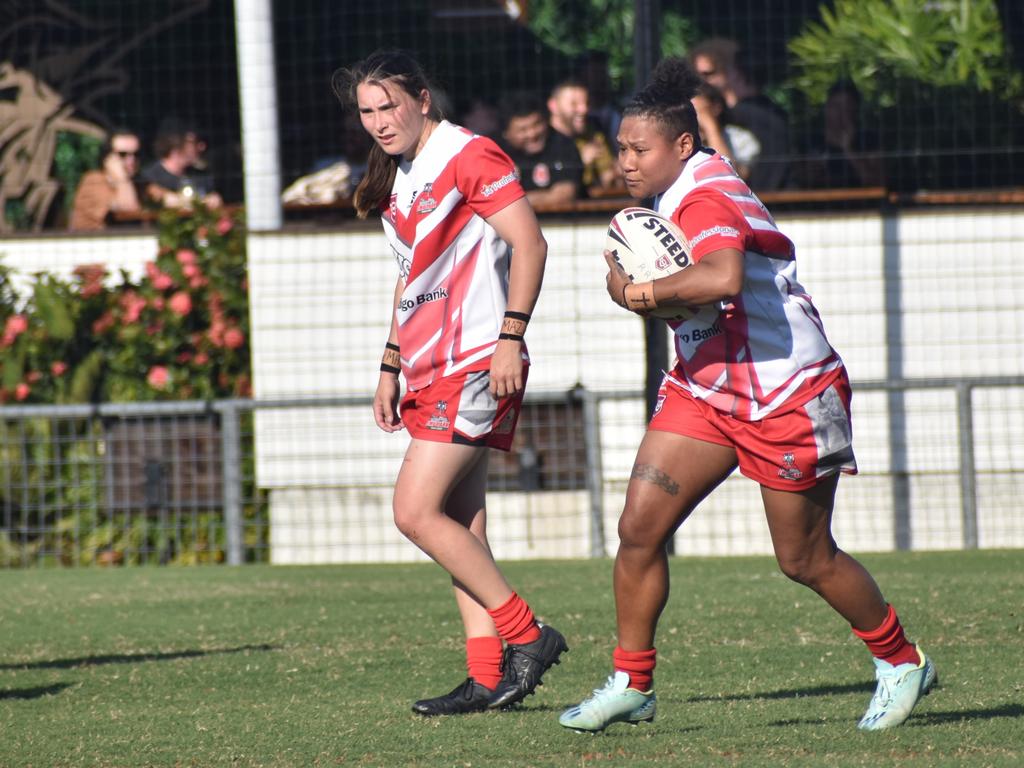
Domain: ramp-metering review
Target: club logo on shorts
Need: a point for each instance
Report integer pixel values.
(661, 402)
(789, 470)
(438, 421)
(507, 422)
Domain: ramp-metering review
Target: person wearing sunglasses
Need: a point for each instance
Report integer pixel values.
(111, 188)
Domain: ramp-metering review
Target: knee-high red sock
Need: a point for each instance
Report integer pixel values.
(514, 621)
(639, 665)
(483, 660)
(888, 642)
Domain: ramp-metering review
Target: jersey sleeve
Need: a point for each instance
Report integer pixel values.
(711, 222)
(487, 177)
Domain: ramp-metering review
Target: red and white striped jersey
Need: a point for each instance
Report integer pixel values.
(764, 351)
(454, 265)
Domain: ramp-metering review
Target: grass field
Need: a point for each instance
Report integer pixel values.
(263, 666)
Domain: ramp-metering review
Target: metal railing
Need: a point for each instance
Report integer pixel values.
(177, 481)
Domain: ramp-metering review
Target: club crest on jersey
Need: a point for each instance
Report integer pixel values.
(541, 175)
(438, 420)
(427, 203)
(393, 207)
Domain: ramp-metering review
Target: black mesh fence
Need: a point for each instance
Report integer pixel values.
(902, 96)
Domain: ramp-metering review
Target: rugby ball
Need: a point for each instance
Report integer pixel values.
(647, 246)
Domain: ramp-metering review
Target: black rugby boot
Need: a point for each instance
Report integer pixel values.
(524, 664)
(469, 696)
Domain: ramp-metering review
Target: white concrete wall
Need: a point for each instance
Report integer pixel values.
(320, 315)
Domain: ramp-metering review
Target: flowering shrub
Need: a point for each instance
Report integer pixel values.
(179, 332)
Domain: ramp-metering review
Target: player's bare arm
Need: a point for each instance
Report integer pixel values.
(385, 399)
(716, 277)
(517, 225)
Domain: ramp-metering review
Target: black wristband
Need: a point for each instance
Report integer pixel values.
(385, 368)
(510, 336)
(518, 316)
(395, 347)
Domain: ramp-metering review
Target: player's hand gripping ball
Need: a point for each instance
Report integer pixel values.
(647, 246)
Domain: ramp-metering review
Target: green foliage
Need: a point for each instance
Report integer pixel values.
(881, 45)
(74, 155)
(179, 332)
(578, 26)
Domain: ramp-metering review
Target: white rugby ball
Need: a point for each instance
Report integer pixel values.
(648, 245)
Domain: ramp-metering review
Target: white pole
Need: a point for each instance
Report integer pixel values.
(257, 85)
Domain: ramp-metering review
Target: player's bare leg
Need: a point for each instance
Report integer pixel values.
(671, 475)
(430, 473)
(800, 524)
(466, 506)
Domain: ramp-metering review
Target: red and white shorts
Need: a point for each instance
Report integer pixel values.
(460, 409)
(789, 452)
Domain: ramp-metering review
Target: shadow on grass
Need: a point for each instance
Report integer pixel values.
(790, 693)
(936, 718)
(929, 718)
(33, 693)
(132, 658)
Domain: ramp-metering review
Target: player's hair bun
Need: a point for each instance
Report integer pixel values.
(673, 81)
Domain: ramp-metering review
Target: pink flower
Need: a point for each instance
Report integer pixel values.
(224, 225)
(161, 280)
(216, 332)
(201, 233)
(197, 282)
(131, 305)
(186, 256)
(190, 271)
(33, 377)
(158, 377)
(233, 338)
(201, 359)
(103, 323)
(58, 368)
(15, 326)
(183, 357)
(157, 302)
(22, 391)
(180, 303)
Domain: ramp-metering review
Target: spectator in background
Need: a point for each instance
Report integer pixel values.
(548, 163)
(179, 175)
(846, 155)
(111, 188)
(568, 105)
(597, 79)
(723, 64)
(481, 117)
(736, 143)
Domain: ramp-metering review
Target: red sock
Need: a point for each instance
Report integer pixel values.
(483, 660)
(514, 621)
(888, 642)
(639, 665)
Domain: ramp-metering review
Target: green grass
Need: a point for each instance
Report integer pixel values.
(263, 666)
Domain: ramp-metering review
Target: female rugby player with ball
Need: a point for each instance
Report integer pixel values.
(756, 385)
(471, 259)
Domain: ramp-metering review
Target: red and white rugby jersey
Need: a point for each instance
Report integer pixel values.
(764, 351)
(454, 265)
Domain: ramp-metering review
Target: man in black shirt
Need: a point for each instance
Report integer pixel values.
(549, 165)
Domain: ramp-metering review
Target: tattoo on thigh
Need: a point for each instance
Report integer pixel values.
(656, 476)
